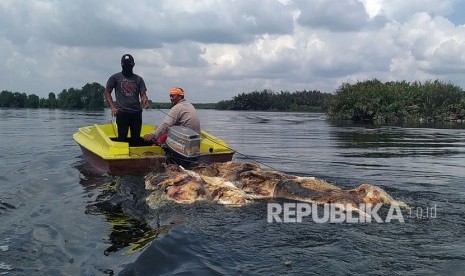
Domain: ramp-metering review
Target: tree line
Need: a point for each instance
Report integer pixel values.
(90, 96)
(370, 100)
(402, 101)
(268, 100)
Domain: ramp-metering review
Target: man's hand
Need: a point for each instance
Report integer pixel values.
(145, 103)
(114, 111)
(144, 99)
(148, 137)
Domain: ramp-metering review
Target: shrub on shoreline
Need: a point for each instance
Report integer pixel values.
(380, 102)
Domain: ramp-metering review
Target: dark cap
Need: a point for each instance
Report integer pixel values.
(127, 59)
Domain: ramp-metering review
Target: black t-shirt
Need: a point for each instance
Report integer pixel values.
(127, 90)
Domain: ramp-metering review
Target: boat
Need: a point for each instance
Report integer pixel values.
(101, 149)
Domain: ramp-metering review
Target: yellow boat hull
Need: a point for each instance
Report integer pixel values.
(100, 148)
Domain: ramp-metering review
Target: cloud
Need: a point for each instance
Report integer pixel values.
(218, 48)
(334, 15)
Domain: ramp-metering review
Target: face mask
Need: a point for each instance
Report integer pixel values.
(127, 70)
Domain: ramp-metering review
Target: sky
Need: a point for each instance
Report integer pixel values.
(217, 49)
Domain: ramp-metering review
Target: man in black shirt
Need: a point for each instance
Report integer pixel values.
(127, 108)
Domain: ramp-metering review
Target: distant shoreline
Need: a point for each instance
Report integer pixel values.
(367, 101)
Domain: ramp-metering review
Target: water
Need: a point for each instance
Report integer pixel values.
(52, 221)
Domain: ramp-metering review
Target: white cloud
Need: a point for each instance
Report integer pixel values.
(217, 49)
(372, 7)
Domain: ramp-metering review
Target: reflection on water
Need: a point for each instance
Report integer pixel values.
(386, 142)
(111, 196)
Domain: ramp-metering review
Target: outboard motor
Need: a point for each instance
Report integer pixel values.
(182, 146)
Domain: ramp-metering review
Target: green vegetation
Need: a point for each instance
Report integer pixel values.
(205, 105)
(89, 97)
(369, 100)
(157, 105)
(397, 102)
(309, 101)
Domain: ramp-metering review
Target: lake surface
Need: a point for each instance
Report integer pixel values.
(51, 222)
